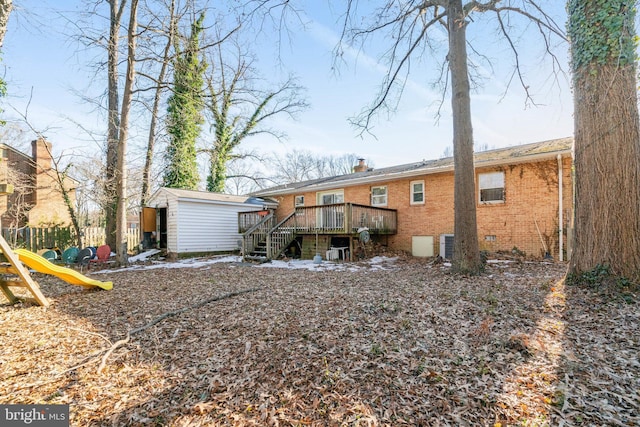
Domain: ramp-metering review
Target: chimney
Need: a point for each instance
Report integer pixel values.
(361, 166)
(41, 153)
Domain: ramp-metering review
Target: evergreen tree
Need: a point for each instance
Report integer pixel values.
(185, 113)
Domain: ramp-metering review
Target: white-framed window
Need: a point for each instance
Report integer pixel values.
(298, 201)
(379, 196)
(491, 187)
(330, 197)
(417, 192)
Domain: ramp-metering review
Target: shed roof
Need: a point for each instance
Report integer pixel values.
(525, 153)
(208, 196)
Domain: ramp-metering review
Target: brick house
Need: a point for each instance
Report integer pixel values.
(524, 203)
(36, 200)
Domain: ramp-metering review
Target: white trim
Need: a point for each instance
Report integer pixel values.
(490, 177)
(412, 193)
(319, 195)
(385, 195)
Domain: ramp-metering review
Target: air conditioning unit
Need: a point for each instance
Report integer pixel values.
(446, 246)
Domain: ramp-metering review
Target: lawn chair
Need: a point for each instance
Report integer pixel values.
(84, 256)
(102, 255)
(70, 255)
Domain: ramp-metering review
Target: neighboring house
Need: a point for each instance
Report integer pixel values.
(36, 200)
(523, 203)
(186, 221)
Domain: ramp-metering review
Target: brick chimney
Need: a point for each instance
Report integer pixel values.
(361, 166)
(41, 153)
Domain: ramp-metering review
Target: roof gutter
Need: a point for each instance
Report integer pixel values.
(551, 155)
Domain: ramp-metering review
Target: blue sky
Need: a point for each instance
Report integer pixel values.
(41, 61)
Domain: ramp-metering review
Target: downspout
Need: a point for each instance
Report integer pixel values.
(560, 219)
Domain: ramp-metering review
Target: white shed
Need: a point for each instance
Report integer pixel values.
(188, 221)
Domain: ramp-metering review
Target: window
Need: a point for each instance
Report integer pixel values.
(331, 197)
(417, 192)
(379, 196)
(491, 186)
(299, 201)
(331, 218)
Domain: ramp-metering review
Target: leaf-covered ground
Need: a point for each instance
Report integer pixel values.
(403, 342)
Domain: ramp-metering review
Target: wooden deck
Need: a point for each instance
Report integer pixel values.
(341, 218)
(264, 237)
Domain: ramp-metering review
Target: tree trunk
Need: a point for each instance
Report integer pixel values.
(121, 173)
(113, 116)
(146, 172)
(607, 165)
(607, 138)
(466, 255)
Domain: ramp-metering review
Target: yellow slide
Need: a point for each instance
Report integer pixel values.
(42, 265)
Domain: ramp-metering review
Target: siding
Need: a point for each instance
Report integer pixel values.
(207, 227)
(172, 223)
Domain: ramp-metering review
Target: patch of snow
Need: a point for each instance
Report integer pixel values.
(376, 263)
(143, 256)
(185, 263)
(381, 259)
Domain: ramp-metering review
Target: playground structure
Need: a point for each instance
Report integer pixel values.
(22, 278)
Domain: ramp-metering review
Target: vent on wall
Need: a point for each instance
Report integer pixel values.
(446, 246)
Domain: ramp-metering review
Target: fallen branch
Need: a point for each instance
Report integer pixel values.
(111, 350)
(166, 316)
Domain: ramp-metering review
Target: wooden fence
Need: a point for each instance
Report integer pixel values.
(34, 239)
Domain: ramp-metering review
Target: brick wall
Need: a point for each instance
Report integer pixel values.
(40, 193)
(531, 197)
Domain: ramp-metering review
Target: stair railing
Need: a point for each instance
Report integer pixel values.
(257, 233)
(279, 237)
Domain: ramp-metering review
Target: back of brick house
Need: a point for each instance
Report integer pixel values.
(523, 198)
(37, 200)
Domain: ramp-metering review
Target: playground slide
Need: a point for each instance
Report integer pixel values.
(42, 265)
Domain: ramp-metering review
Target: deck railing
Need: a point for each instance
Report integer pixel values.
(257, 232)
(340, 218)
(377, 220)
(281, 235)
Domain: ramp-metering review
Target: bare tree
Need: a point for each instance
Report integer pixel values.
(303, 165)
(155, 108)
(121, 169)
(239, 109)
(19, 203)
(244, 177)
(413, 27)
(116, 9)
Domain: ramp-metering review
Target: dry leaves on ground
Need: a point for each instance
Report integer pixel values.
(409, 344)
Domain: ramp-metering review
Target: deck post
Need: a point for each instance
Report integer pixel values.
(269, 254)
(347, 221)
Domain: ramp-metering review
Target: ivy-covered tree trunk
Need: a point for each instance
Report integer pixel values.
(185, 114)
(466, 254)
(217, 177)
(607, 137)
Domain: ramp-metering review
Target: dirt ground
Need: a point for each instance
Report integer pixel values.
(398, 342)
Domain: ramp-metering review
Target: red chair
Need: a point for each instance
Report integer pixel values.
(102, 255)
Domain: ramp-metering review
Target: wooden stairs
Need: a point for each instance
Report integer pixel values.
(265, 241)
